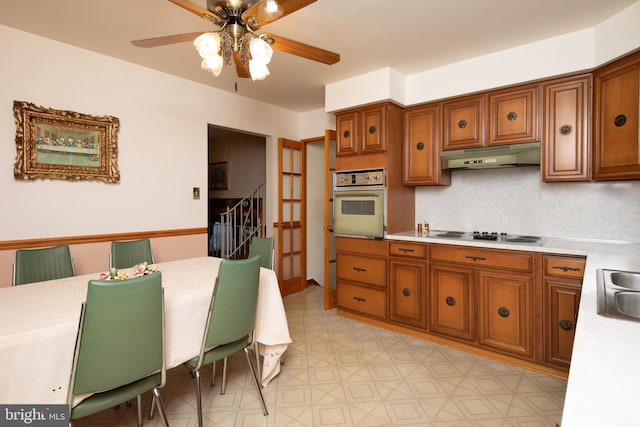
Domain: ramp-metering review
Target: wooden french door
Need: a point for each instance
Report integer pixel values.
(330, 290)
(291, 230)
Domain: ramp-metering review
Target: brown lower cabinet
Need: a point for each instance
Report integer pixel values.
(518, 305)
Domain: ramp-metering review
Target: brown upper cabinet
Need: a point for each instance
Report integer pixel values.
(565, 154)
(499, 117)
(464, 122)
(421, 147)
(616, 151)
(363, 130)
(513, 115)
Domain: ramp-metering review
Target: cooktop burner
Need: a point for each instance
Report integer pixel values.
(489, 237)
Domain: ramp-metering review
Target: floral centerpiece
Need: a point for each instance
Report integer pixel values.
(137, 270)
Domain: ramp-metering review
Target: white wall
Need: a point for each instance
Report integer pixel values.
(162, 141)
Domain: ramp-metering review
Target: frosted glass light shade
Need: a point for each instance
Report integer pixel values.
(207, 44)
(258, 70)
(260, 50)
(214, 64)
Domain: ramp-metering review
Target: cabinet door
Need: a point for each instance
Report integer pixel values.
(451, 301)
(561, 303)
(463, 123)
(373, 130)
(407, 292)
(565, 138)
(616, 107)
(505, 313)
(513, 116)
(347, 133)
(421, 148)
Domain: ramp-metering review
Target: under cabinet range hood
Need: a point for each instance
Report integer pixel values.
(527, 154)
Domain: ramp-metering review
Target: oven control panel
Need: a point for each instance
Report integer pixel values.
(360, 178)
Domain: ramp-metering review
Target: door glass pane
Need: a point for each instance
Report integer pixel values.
(296, 240)
(286, 160)
(286, 267)
(296, 265)
(297, 186)
(286, 211)
(286, 186)
(297, 164)
(296, 211)
(286, 241)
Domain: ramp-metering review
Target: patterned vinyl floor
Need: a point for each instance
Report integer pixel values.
(339, 372)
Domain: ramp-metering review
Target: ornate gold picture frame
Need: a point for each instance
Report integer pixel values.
(58, 144)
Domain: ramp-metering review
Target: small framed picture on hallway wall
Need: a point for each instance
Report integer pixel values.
(219, 176)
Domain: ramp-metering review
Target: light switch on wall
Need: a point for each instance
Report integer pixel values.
(196, 193)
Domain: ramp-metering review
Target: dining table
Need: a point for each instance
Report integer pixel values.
(39, 325)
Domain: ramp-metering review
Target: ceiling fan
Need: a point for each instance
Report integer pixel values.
(237, 37)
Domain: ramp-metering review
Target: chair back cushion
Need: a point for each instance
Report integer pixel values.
(132, 252)
(262, 246)
(235, 300)
(121, 336)
(37, 265)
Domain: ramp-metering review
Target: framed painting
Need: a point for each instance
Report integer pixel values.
(218, 176)
(65, 145)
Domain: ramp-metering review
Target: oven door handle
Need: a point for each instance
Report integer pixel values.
(343, 194)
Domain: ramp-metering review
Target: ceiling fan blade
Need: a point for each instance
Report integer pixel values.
(241, 69)
(304, 50)
(196, 9)
(162, 41)
(266, 11)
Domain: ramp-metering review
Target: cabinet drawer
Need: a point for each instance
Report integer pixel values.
(512, 260)
(559, 266)
(359, 268)
(408, 249)
(362, 299)
(363, 246)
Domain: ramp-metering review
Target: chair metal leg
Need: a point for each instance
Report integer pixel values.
(198, 397)
(258, 365)
(223, 389)
(139, 402)
(153, 405)
(255, 381)
(213, 374)
(158, 399)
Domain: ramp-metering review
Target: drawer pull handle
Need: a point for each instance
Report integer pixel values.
(566, 325)
(565, 130)
(406, 250)
(406, 292)
(475, 258)
(360, 299)
(346, 134)
(512, 116)
(359, 270)
(372, 130)
(503, 312)
(462, 124)
(565, 268)
(451, 301)
(420, 146)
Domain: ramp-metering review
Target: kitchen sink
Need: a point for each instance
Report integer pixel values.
(619, 294)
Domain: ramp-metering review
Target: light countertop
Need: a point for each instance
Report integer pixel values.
(605, 364)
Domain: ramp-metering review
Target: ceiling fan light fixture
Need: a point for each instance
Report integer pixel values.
(258, 70)
(214, 64)
(260, 50)
(207, 44)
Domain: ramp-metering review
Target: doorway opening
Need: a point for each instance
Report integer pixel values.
(237, 167)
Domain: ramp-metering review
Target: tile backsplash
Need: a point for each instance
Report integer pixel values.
(515, 200)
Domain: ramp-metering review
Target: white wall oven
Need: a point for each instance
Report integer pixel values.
(359, 203)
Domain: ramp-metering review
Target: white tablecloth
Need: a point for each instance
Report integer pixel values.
(39, 321)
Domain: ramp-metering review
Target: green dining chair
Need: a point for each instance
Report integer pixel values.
(262, 246)
(230, 326)
(125, 254)
(37, 265)
(119, 351)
